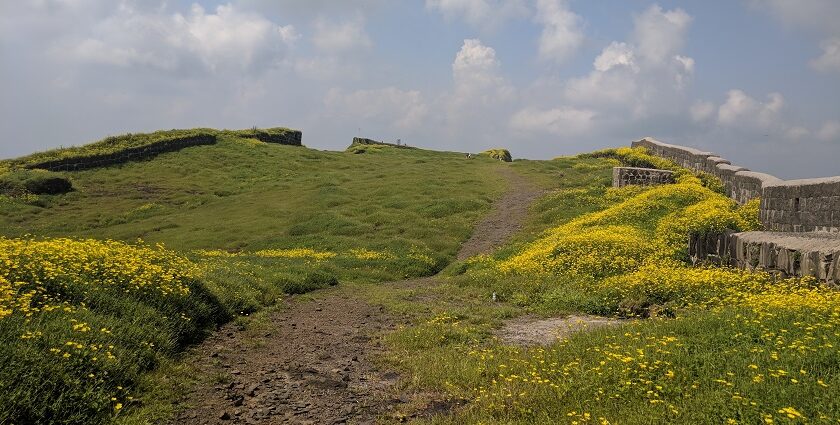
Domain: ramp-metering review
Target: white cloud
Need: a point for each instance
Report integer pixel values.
(398, 108)
(614, 87)
(616, 54)
(829, 132)
(561, 35)
(341, 36)
(684, 70)
(562, 121)
(829, 61)
(226, 39)
(643, 77)
(741, 110)
(288, 34)
(481, 98)
(702, 110)
(485, 14)
(476, 75)
(659, 34)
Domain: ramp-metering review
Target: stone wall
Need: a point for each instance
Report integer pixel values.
(787, 254)
(290, 137)
(366, 141)
(125, 155)
(623, 176)
(802, 205)
(789, 206)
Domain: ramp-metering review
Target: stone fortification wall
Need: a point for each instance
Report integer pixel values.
(623, 176)
(789, 254)
(290, 137)
(740, 183)
(365, 141)
(789, 206)
(125, 155)
(802, 205)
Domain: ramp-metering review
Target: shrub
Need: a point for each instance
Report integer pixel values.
(499, 153)
(38, 182)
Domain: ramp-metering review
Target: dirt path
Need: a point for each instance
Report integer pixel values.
(316, 364)
(506, 218)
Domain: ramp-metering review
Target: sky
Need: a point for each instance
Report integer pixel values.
(755, 81)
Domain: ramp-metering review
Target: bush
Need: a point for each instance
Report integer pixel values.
(500, 154)
(38, 182)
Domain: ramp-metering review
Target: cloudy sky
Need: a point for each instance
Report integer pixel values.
(757, 81)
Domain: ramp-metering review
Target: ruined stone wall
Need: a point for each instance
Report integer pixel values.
(291, 137)
(789, 206)
(623, 176)
(125, 155)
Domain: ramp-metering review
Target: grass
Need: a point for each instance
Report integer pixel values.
(713, 345)
(258, 221)
(254, 220)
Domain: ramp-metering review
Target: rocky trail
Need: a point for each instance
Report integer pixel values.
(315, 361)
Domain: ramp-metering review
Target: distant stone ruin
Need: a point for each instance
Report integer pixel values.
(624, 176)
(802, 218)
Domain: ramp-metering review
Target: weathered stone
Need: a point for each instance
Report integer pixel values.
(624, 176)
(812, 254)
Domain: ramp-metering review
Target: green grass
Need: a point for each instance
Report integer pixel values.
(723, 347)
(265, 220)
(260, 220)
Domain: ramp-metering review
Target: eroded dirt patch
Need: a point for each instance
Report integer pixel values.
(314, 366)
(529, 330)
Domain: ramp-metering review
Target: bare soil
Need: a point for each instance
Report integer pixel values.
(529, 330)
(315, 363)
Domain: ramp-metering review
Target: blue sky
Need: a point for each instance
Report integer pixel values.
(756, 81)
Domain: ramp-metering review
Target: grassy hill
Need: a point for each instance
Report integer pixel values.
(251, 220)
(103, 284)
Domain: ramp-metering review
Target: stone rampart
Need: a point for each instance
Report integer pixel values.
(623, 176)
(291, 137)
(802, 205)
(125, 155)
(789, 254)
(790, 206)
